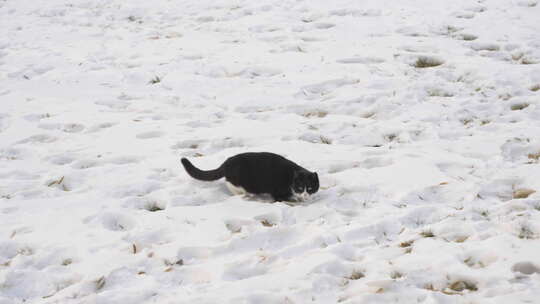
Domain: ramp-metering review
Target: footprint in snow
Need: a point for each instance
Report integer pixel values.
(117, 221)
(464, 15)
(136, 189)
(484, 46)
(526, 268)
(324, 88)
(113, 104)
(476, 8)
(193, 255)
(72, 128)
(371, 12)
(38, 139)
(188, 144)
(323, 25)
(37, 117)
(68, 128)
(236, 225)
(465, 36)
(246, 269)
(61, 159)
(146, 203)
(361, 60)
(87, 164)
(264, 28)
(150, 134)
(101, 126)
(14, 153)
(124, 160)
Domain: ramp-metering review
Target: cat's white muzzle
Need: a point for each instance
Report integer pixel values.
(301, 196)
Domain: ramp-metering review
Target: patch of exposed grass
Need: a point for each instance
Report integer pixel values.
(526, 60)
(155, 80)
(534, 156)
(484, 213)
(468, 37)
(462, 285)
(437, 92)
(326, 140)
(153, 207)
(466, 121)
(390, 137)
(427, 234)
(356, 275)
(526, 232)
(522, 193)
(427, 62)
(60, 183)
(485, 122)
(519, 106)
(100, 283)
(406, 244)
(267, 223)
(316, 113)
(396, 275)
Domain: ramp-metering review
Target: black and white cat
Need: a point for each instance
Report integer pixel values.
(259, 173)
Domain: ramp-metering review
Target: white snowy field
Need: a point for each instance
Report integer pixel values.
(422, 119)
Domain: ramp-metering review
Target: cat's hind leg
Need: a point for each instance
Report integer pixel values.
(235, 190)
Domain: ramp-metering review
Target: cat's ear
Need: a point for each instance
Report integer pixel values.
(315, 176)
(295, 174)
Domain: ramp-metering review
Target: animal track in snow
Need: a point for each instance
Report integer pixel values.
(464, 15)
(14, 153)
(87, 164)
(323, 25)
(362, 60)
(136, 189)
(246, 269)
(264, 28)
(72, 128)
(146, 203)
(117, 221)
(484, 46)
(526, 268)
(101, 126)
(113, 104)
(61, 159)
(324, 88)
(37, 117)
(68, 128)
(150, 134)
(376, 162)
(193, 255)
(254, 72)
(372, 12)
(38, 139)
(465, 36)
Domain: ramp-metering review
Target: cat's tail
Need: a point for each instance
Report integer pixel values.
(210, 175)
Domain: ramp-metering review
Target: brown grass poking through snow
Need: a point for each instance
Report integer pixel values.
(427, 62)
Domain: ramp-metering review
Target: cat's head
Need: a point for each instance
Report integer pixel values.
(305, 182)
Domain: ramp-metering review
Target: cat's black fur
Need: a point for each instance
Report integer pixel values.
(259, 173)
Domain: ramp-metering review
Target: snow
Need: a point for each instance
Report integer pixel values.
(422, 119)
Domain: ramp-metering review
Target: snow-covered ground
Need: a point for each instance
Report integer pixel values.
(422, 119)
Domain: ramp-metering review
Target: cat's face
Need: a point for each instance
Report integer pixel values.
(305, 184)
